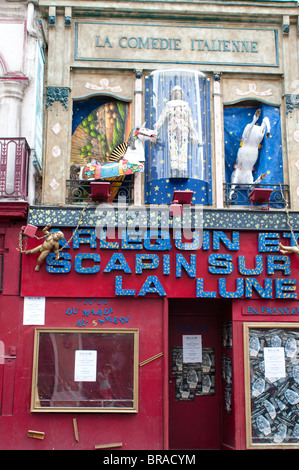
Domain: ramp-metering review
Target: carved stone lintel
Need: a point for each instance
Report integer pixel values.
(292, 102)
(55, 93)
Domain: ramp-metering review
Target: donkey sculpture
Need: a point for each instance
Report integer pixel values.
(253, 135)
(125, 159)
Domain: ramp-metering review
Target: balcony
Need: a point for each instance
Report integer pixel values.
(279, 198)
(78, 191)
(14, 164)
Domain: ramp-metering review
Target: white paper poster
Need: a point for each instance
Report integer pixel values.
(274, 363)
(34, 311)
(192, 348)
(85, 366)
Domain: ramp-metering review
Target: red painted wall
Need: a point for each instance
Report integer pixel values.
(148, 428)
(103, 283)
(143, 430)
(252, 311)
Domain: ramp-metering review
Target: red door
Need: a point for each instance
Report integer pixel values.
(194, 389)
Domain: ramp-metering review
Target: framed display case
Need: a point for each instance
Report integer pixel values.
(271, 354)
(85, 371)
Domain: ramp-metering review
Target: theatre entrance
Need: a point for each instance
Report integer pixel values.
(196, 388)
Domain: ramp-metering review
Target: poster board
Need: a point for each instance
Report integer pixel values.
(86, 371)
(271, 355)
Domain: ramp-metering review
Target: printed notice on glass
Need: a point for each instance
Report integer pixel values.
(85, 366)
(192, 348)
(274, 363)
(34, 311)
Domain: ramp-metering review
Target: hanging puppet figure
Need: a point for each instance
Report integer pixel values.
(51, 243)
(248, 153)
(180, 125)
(289, 249)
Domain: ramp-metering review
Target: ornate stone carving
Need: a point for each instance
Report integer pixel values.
(57, 94)
(252, 89)
(292, 102)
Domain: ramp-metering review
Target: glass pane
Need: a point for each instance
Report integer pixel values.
(85, 370)
(265, 152)
(273, 379)
(177, 106)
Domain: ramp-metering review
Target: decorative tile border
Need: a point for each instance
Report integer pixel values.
(213, 219)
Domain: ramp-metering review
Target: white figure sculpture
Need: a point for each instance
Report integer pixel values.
(248, 153)
(180, 125)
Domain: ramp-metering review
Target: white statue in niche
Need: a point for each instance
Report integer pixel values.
(248, 153)
(180, 124)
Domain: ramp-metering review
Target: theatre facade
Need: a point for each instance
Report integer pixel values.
(155, 303)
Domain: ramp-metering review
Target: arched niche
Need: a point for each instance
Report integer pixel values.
(99, 124)
(177, 104)
(270, 155)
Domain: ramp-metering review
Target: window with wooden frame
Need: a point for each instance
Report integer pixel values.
(85, 371)
(271, 354)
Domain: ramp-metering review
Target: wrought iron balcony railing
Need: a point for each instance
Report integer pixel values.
(14, 163)
(78, 191)
(279, 198)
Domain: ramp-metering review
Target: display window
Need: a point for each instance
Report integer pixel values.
(272, 384)
(177, 107)
(101, 130)
(253, 152)
(86, 371)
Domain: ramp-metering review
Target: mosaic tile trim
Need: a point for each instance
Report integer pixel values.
(212, 219)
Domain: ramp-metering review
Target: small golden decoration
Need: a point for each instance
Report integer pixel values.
(51, 243)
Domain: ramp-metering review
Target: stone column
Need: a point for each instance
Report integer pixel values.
(11, 96)
(218, 141)
(138, 177)
(58, 109)
(290, 46)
